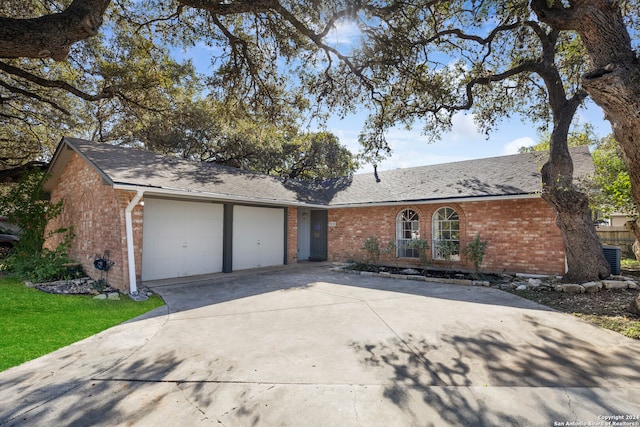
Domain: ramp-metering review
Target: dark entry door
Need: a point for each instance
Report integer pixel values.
(318, 236)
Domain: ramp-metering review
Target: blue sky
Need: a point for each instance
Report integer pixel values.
(464, 142)
(412, 147)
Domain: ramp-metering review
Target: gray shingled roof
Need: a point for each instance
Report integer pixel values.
(513, 175)
(133, 167)
(504, 176)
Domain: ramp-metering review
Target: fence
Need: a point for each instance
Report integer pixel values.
(617, 236)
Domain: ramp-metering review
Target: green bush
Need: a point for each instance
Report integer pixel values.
(422, 246)
(447, 249)
(372, 248)
(26, 206)
(474, 251)
(43, 266)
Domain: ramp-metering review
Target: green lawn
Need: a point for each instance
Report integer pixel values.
(34, 323)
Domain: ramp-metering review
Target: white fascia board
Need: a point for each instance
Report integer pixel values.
(214, 197)
(436, 201)
(217, 197)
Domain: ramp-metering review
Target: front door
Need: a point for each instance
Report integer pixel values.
(318, 236)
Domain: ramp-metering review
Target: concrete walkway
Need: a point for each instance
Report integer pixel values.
(304, 346)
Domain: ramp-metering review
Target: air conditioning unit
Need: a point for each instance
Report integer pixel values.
(612, 255)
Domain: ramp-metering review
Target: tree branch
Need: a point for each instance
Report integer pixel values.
(236, 7)
(523, 67)
(317, 40)
(32, 95)
(57, 84)
(51, 35)
(555, 15)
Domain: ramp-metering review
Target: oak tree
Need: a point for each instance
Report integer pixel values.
(276, 54)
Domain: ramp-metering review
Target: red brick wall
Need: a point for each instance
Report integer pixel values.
(292, 235)
(96, 212)
(522, 234)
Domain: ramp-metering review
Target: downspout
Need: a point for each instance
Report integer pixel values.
(133, 287)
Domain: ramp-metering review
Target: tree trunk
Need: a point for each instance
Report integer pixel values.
(614, 82)
(634, 227)
(585, 258)
(51, 36)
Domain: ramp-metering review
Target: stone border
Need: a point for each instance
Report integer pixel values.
(614, 282)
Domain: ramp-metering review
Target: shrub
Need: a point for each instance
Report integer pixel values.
(44, 266)
(447, 249)
(422, 246)
(372, 248)
(26, 206)
(474, 251)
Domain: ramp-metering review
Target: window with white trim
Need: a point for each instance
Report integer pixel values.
(407, 229)
(446, 234)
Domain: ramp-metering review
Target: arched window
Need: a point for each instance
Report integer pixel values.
(446, 234)
(407, 229)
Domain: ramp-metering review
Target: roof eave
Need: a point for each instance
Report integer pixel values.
(60, 158)
(219, 197)
(438, 201)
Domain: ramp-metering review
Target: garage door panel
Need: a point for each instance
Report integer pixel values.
(258, 237)
(181, 238)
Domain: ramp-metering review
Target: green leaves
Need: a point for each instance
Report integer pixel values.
(26, 206)
(611, 180)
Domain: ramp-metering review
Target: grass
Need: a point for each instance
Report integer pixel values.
(34, 323)
(620, 324)
(629, 263)
(606, 309)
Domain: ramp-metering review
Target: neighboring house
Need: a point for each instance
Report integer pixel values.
(159, 217)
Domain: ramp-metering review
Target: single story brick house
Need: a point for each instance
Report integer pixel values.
(157, 217)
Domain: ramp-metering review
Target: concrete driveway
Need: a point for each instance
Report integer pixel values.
(306, 346)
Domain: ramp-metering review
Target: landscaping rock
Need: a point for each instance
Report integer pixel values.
(573, 288)
(558, 288)
(614, 284)
(634, 307)
(521, 288)
(100, 296)
(632, 285)
(409, 271)
(113, 296)
(534, 283)
(481, 283)
(592, 287)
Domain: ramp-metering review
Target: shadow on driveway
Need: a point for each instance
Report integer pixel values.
(306, 346)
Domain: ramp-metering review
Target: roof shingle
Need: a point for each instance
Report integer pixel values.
(504, 176)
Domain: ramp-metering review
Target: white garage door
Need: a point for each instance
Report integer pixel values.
(181, 238)
(258, 237)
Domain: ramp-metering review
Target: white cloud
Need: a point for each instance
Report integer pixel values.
(463, 129)
(513, 146)
(345, 32)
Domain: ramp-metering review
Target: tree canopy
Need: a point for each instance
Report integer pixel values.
(416, 60)
(122, 85)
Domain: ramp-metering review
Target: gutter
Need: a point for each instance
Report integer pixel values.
(133, 286)
(435, 201)
(218, 197)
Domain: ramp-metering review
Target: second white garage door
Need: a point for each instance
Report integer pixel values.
(181, 238)
(258, 237)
